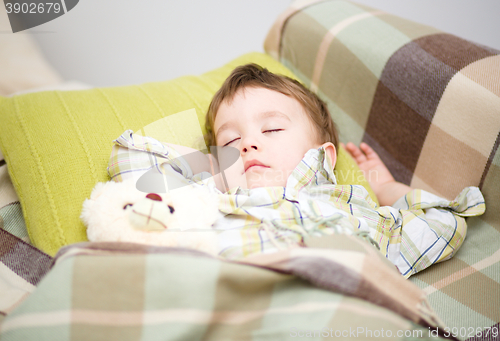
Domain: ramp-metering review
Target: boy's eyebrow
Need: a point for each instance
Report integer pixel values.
(264, 114)
(223, 127)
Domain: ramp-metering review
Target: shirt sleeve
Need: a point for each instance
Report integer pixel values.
(133, 155)
(427, 228)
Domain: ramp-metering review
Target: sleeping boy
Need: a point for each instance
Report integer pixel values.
(273, 121)
(283, 190)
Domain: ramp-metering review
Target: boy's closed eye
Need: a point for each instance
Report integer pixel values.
(231, 141)
(264, 132)
(272, 130)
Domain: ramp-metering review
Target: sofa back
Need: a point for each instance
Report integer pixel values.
(429, 103)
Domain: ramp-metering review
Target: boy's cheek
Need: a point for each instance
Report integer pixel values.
(229, 168)
(234, 176)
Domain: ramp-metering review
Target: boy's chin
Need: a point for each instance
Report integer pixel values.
(259, 180)
(251, 180)
(267, 184)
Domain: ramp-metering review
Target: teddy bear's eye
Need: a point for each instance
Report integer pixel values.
(127, 205)
(171, 208)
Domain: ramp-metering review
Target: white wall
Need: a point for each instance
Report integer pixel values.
(117, 42)
(475, 20)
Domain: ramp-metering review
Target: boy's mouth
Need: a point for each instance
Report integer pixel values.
(254, 163)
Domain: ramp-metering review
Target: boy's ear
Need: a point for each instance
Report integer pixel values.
(331, 153)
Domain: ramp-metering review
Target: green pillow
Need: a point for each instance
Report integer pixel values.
(57, 144)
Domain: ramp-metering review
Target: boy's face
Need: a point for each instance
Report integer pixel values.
(272, 133)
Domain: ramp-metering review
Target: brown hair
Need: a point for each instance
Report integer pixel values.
(253, 75)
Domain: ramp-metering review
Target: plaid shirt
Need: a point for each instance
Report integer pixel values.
(419, 230)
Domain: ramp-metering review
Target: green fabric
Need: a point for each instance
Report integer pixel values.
(57, 144)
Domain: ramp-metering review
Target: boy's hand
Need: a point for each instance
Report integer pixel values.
(376, 173)
(370, 164)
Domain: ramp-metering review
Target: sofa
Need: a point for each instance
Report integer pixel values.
(428, 102)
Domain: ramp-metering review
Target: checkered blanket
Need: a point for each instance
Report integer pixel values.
(340, 285)
(429, 103)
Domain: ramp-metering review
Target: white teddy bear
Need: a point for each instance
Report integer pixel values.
(117, 211)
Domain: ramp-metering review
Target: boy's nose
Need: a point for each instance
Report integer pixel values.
(248, 148)
(249, 143)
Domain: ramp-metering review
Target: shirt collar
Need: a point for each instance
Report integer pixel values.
(314, 169)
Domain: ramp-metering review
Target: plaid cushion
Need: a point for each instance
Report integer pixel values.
(429, 103)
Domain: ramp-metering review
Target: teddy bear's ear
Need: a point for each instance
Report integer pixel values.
(98, 190)
(86, 215)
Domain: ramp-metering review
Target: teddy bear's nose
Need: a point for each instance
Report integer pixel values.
(153, 196)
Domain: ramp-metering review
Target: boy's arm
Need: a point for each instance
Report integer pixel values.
(389, 193)
(387, 190)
